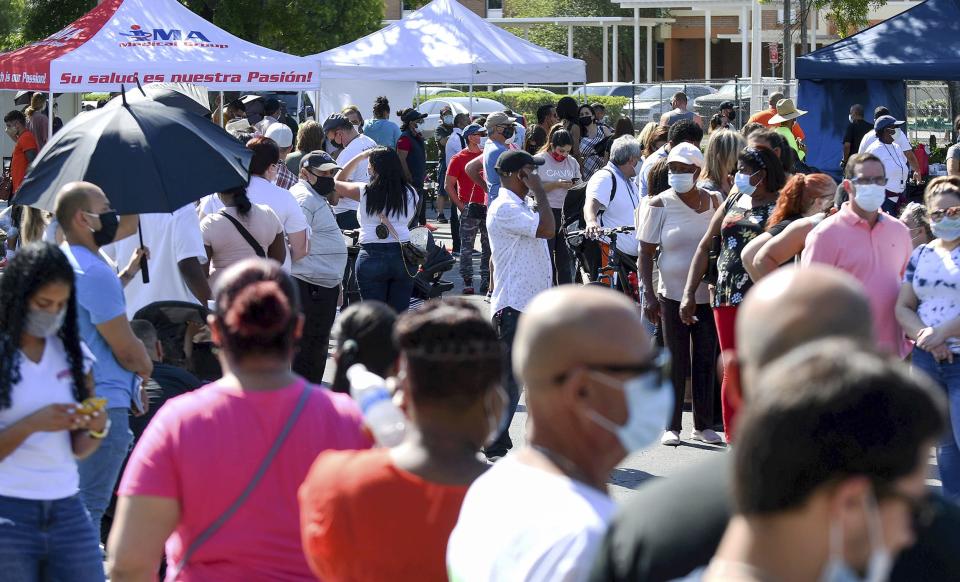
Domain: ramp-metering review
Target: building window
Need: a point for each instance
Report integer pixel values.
(494, 8)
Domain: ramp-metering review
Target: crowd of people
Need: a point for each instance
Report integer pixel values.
(835, 323)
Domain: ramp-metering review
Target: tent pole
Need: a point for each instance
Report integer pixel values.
(222, 105)
(50, 114)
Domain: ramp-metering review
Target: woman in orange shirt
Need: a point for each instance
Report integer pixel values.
(353, 504)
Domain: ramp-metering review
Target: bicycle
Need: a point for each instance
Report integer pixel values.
(620, 272)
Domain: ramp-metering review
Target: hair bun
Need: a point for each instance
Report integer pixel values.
(259, 309)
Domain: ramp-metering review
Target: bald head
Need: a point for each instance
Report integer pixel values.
(76, 197)
(792, 307)
(574, 325)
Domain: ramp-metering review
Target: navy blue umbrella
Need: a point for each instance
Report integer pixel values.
(146, 157)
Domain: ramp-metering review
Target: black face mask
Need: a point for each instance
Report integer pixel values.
(109, 223)
(508, 132)
(324, 185)
(586, 120)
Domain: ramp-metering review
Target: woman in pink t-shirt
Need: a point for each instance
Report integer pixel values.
(202, 450)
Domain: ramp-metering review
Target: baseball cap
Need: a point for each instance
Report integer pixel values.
(686, 153)
(335, 121)
(726, 105)
(412, 115)
(280, 133)
(472, 129)
(498, 118)
(513, 160)
(885, 121)
(319, 160)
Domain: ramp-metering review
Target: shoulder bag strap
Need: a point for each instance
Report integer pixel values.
(254, 481)
(245, 234)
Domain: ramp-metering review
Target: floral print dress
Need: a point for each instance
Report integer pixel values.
(934, 273)
(741, 224)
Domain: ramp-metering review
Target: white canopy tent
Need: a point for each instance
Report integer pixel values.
(445, 42)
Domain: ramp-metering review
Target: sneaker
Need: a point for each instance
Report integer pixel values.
(707, 436)
(468, 287)
(670, 439)
(442, 219)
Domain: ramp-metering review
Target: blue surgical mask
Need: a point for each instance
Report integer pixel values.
(649, 406)
(742, 182)
(946, 229)
(881, 560)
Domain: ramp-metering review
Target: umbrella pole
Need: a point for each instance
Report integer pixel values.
(144, 270)
(50, 114)
(221, 108)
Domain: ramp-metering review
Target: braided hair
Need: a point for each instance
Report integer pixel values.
(36, 265)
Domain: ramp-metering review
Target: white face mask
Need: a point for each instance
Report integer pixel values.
(40, 323)
(649, 406)
(880, 563)
(850, 117)
(483, 142)
(870, 197)
(681, 183)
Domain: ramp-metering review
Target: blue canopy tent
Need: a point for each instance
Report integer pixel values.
(871, 68)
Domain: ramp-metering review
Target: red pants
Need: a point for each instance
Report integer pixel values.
(725, 318)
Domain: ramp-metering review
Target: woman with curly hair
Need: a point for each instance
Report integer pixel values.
(44, 373)
(803, 204)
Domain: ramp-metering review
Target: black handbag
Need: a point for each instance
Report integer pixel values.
(412, 254)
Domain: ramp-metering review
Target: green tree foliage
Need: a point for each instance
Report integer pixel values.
(294, 26)
(848, 15)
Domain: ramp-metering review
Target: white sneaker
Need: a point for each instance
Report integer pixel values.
(707, 436)
(670, 439)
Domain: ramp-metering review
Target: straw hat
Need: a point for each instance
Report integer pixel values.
(786, 111)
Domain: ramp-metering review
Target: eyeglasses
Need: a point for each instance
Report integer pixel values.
(937, 215)
(659, 365)
(861, 181)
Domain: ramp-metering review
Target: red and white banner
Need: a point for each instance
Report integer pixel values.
(155, 41)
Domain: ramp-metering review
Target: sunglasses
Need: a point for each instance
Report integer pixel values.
(937, 215)
(659, 365)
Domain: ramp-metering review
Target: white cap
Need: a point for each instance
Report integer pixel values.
(280, 133)
(686, 153)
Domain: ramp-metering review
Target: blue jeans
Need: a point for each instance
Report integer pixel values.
(99, 471)
(383, 276)
(948, 451)
(48, 541)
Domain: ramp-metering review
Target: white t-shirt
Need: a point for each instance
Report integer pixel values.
(871, 137)
(358, 145)
(368, 223)
(520, 523)
(619, 212)
(895, 164)
(281, 201)
(522, 260)
(454, 145)
(554, 171)
(171, 238)
(43, 466)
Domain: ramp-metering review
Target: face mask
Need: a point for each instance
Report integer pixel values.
(880, 563)
(870, 197)
(508, 132)
(40, 323)
(497, 424)
(448, 120)
(324, 185)
(649, 406)
(109, 223)
(947, 229)
(511, 139)
(742, 182)
(680, 183)
(483, 142)
(850, 117)
(558, 156)
(586, 120)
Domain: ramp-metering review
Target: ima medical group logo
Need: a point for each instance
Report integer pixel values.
(140, 36)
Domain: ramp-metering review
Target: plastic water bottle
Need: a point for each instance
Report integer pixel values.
(380, 414)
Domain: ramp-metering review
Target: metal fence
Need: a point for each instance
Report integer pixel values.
(646, 102)
(928, 112)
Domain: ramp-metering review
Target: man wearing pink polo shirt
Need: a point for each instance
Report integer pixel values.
(872, 246)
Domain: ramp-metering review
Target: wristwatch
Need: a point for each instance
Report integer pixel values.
(102, 434)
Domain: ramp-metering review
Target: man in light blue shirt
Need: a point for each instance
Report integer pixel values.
(501, 133)
(88, 223)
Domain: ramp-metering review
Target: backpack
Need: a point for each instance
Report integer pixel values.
(576, 198)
